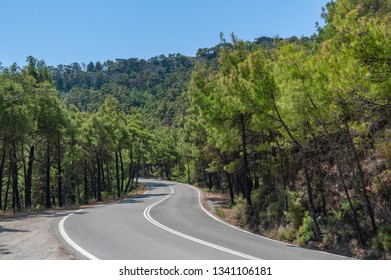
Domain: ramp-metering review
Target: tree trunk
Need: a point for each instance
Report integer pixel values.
(167, 170)
(361, 175)
(256, 183)
(268, 178)
(377, 5)
(218, 182)
(354, 213)
(117, 174)
(24, 171)
(238, 190)
(16, 204)
(247, 184)
(53, 196)
(85, 174)
(282, 173)
(8, 184)
(29, 178)
(315, 225)
(47, 185)
(93, 173)
(99, 187)
(132, 167)
(3, 155)
(210, 182)
(188, 173)
(103, 182)
(138, 168)
(122, 172)
(320, 183)
(108, 178)
(59, 175)
(130, 171)
(73, 190)
(318, 233)
(342, 181)
(230, 188)
(228, 178)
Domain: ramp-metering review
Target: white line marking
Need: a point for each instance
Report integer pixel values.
(147, 215)
(70, 241)
(227, 224)
(73, 243)
(245, 231)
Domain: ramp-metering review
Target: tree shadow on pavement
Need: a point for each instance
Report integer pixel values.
(45, 213)
(139, 198)
(3, 229)
(4, 250)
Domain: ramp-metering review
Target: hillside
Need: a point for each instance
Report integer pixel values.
(296, 132)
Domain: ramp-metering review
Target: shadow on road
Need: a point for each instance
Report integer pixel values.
(139, 198)
(3, 229)
(64, 212)
(44, 213)
(4, 250)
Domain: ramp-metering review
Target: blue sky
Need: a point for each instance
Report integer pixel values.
(66, 31)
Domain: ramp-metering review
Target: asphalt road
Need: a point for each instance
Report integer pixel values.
(167, 222)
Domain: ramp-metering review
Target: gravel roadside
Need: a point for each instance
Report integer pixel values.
(29, 237)
(33, 236)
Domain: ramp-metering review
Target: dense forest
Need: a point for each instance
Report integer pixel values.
(296, 131)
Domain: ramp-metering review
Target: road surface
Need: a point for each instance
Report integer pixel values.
(167, 222)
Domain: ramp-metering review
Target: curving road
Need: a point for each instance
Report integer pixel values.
(167, 222)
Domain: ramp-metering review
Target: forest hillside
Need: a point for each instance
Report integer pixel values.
(295, 131)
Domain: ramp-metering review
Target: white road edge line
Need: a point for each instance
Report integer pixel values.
(147, 215)
(242, 230)
(70, 241)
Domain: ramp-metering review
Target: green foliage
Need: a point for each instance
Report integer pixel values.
(156, 86)
(345, 207)
(288, 234)
(305, 232)
(267, 210)
(296, 212)
(239, 210)
(92, 201)
(382, 241)
(334, 218)
(107, 196)
(319, 102)
(383, 184)
(220, 212)
(384, 146)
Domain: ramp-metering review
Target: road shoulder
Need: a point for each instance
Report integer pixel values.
(29, 237)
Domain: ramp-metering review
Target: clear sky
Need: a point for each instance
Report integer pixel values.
(66, 31)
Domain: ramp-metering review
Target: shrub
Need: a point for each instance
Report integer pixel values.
(220, 212)
(306, 232)
(333, 218)
(382, 184)
(296, 211)
(383, 239)
(288, 234)
(108, 195)
(239, 210)
(39, 207)
(92, 201)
